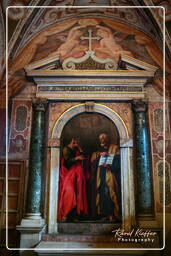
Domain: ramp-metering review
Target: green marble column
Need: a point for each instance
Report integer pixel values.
(36, 159)
(143, 159)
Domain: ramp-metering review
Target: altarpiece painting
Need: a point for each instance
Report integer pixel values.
(86, 131)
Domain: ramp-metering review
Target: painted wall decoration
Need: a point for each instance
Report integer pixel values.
(125, 38)
(20, 127)
(15, 13)
(92, 2)
(166, 5)
(51, 15)
(41, 37)
(106, 42)
(157, 140)
(21, 118)
(158, 120)
(86, 41)
(167, 183)
(113, 35)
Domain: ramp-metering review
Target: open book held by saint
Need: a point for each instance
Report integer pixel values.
(105, 173)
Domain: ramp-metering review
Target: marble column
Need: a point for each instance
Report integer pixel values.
(33, 224)
(143, 159)
(36, 160)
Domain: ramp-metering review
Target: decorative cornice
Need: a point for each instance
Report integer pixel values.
(90, 73)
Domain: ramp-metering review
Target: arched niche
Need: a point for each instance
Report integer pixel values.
(126, 144)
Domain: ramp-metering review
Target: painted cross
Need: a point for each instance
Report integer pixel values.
(90, 38)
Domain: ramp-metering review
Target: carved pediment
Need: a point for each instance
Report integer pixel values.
(91, 62)
(79, 83)
(90, 47)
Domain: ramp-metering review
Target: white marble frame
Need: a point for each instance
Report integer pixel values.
(126, 145)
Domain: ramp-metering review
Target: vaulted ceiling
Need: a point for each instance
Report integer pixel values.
(33, 33)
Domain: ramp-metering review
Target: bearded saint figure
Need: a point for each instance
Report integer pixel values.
(105, 179)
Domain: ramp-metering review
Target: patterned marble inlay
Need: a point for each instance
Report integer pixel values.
(167, 183)
(158, 120)
(21, 118)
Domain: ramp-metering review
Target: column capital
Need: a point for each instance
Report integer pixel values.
(139, 106)
(39, 104)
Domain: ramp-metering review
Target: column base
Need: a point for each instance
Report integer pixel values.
(33, 216)
(31, 229)
(147, 221)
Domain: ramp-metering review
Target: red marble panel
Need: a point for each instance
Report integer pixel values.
(20, 126)
(158, 178)
(158, 146)
(156, 120)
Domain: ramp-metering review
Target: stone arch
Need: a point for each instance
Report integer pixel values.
(96, 108)
(126, 156)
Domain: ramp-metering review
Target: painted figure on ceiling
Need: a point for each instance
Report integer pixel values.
(72, 43)
(103, 43)
(108, 44)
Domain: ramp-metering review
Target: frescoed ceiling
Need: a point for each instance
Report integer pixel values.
(17, 15)
(34, 33)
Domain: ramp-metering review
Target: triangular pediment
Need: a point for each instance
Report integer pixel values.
(126, 63)
(123, 80)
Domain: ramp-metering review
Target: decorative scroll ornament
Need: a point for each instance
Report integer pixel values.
(167, 7)
(70, 63)
(15, 13)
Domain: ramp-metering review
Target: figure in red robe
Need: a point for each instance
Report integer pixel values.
(72, 190)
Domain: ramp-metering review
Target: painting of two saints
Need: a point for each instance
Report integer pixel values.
(90, 184)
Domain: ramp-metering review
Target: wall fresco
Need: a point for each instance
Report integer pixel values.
(19, 138)
(157, 142)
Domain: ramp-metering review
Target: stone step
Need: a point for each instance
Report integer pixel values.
(77, 238)
(87, 228)
(88, 248)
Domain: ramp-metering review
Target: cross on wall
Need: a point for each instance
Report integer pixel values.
(90, 38)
